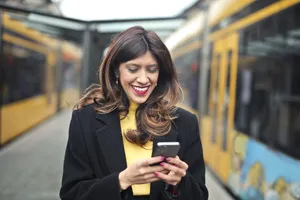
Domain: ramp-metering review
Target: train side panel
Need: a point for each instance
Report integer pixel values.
(20, 116)
(30, 86)
(250, 133)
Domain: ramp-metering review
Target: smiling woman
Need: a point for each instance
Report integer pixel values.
(139, 77)
(127, 116)
(140, 61)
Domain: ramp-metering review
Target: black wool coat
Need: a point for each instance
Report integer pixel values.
(95, 156)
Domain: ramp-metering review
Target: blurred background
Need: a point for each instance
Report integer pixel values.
(237, 60)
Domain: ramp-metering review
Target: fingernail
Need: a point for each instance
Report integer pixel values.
(155, 173)
(162, 158)
(162, 164)
(168, 159)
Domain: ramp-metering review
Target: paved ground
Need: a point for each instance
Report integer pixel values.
(31, 166)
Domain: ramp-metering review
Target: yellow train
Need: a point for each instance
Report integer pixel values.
(39, 76)
(250, 128)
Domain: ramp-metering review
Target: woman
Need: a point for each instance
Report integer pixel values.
(111, 140)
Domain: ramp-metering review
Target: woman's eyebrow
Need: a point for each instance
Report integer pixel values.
(152, 65)
(132, 64)
(137, 65)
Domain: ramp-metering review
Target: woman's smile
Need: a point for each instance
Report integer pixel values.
(140, 90)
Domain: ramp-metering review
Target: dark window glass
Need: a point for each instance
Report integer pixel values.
(268, 94)
(215, 95)
(226, 100)
(187, 67)
(23, 73)
(206, 111)
(70, 79)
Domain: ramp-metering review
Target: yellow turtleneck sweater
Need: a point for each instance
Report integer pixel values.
(134, 152)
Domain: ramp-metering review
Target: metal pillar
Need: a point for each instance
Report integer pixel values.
(86, 57)
(1, 74)
(0, 32)
(204, 66)
(59, 76)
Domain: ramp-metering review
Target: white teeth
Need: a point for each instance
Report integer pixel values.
(141, 89)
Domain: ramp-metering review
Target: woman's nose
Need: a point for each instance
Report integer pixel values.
(143, 78)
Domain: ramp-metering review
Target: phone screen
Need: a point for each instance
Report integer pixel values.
(167, 149)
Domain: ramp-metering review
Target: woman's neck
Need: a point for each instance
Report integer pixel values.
(133, 106)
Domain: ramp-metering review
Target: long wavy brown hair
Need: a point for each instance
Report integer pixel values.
(155, 116)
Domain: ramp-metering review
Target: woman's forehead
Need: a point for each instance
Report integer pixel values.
(146, 59)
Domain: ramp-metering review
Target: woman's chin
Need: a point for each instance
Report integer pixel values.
(139, 100)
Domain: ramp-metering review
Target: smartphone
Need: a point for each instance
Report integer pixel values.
(166, 149)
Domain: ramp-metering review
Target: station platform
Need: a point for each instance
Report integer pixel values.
(31, 166)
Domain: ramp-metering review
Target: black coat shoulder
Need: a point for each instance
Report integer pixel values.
(85, 110)
(185, 116)
(187, 126)
(183, 112)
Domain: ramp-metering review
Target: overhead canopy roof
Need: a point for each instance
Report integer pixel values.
(97, 10)
(69, 18)
(120, 9)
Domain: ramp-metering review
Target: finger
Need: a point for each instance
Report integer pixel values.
(171, 173)
(167, 178)
(176, 161)
(165, 171)
(152, 169)
(149, 180)
(175, 169)
(148, 176)
(152, 180)
(144, 178)
(174, 183)
(151, 161)
(162, 170)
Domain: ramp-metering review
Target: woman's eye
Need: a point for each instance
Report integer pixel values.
(152, 70)
(132, 70)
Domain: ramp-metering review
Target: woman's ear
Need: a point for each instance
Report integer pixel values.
(117, 73)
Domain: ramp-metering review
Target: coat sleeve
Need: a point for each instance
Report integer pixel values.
(192, 186)
(79, 181)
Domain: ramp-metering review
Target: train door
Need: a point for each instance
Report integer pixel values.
(223, 102)
(213, 102)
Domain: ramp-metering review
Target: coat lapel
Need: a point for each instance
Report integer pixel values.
(108, 131)
(109, 137)
(158, 186)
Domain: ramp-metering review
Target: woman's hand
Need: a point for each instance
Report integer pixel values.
(141, 172)
(177, 170)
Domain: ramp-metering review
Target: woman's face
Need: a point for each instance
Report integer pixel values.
(139, 77)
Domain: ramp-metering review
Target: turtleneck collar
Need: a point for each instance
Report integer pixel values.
(133, 106)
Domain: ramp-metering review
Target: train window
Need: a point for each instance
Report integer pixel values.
(209, 57)
(23, 70)
(187, 67)
(289, 108)
(226, 101)
(214, 95)
(243, 97)
(268, 94)
(69, 75)
(194, 80)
